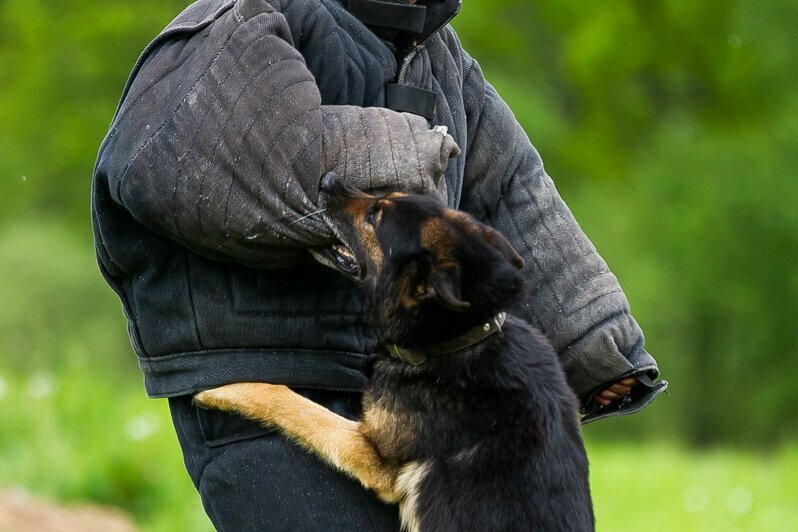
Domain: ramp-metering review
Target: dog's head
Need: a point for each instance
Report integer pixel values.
(429, 273)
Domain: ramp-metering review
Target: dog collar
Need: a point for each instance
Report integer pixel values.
(471, 337)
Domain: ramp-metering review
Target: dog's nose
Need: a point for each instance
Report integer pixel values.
(335, 187)
(328, 181)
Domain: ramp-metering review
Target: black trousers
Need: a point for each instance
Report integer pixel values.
(253, 478)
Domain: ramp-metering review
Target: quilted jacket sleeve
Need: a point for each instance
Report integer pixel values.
(571, 293)
(221, 140)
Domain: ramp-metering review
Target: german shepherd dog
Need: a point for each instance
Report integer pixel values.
(467, 420)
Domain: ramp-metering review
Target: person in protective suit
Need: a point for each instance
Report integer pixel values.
(205, 203)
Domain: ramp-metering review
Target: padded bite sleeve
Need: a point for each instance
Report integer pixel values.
(572, 296)
(221, 140)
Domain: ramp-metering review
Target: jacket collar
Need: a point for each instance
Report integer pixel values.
(468, 339)
(439, 13)
(392, 19)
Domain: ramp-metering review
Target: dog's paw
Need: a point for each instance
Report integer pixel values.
(211, 399)
(232, 397)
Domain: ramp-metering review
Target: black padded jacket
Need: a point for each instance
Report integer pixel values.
(206, 183)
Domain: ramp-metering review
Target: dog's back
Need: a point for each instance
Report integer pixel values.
(468, 422)
(495, 436)
(476, 412)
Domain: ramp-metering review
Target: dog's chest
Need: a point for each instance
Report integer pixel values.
(417, 417)
(392, 433)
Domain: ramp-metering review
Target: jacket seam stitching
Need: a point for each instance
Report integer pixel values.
(166, 120)
(195, 318)
(418, 156)
(596, 298)
(531, 252)
(157, 360)
(205, 115)
(305, 222)
(390, 145)
(219, 139)
(596, 326)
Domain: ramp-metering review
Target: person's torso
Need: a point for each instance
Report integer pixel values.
(178, 301)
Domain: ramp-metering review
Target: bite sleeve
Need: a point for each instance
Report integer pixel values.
(221, 141)
(572, 296)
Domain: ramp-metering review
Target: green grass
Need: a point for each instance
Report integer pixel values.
(665, 487)
(77, 436)
(75, 424)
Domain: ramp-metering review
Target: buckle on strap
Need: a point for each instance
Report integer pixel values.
(407, 17)
(410, 99)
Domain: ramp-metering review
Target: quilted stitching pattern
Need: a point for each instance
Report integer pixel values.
(233, 164)
(232, 116)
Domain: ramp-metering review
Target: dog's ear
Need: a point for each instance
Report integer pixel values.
(498, 242)
(442, 283)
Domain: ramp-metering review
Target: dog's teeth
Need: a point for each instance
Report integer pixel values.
(345, 257)
(344, 251)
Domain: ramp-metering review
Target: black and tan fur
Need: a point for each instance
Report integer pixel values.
(485, 438)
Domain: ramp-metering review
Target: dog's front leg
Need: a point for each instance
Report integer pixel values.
(337, 440)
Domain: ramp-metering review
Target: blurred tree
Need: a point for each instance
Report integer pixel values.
(64, 65)
(669, 127)
(614, 73)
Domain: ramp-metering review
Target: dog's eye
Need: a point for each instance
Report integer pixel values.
(372, 214)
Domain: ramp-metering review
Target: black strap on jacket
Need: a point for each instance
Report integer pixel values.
(386, 19)
(410, 99)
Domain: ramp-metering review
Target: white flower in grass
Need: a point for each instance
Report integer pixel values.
(695, 499)
(41, 385)
(141, 427)
(739, 500)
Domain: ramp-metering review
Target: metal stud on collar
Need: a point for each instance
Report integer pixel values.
(498, 320)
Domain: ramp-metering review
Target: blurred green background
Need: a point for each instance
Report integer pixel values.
(669, 127)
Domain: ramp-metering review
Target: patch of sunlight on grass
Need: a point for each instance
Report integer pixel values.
(666, 487)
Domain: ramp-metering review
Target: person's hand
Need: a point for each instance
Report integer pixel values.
(618, 390)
